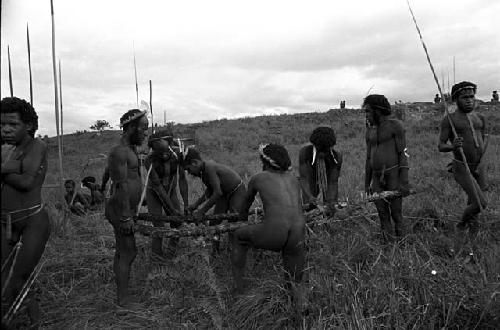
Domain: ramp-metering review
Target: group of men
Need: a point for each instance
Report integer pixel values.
(26, 227)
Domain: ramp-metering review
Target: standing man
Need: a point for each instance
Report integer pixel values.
(25, 222)
(318, 161)
(161, 193)
(386, 163)
(471, 130)
(123, 167)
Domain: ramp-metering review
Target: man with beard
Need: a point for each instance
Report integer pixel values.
(471, 130)
(319, 169)
(25, 222)
(161, 192)
(386, 163)
(123, 166)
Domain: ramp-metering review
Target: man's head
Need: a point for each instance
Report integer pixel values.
(18, 120)
(160, 142)
(88, 181)
(192, 162)
(69, 185)
(135, 124)
(463, 94)
(376, 106)
(323, 138)
(275, 156)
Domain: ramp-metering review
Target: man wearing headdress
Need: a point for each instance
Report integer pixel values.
(470, 127)
(319, 169)
(386, 163)
(161, 193)
(124, 172)
(283, 225)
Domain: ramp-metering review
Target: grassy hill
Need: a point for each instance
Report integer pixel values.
(437, 279)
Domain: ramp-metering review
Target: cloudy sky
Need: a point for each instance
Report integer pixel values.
(215, 59)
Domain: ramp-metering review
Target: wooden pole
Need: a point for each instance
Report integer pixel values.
(29, 63)
(10, 73)
(151, 106)
(56, 98)
(460, 150)
(136, 84)
(61, 108)
(453, 70)
(164, 118)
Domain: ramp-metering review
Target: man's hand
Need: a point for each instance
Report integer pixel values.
(190, 208)
(126, 227)
(198, 216)
(458, 143)
(368, 190)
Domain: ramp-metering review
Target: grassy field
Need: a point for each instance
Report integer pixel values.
(438, 279)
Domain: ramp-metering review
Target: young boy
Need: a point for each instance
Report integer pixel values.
(283, 226)
(77, 201)
(24, 218)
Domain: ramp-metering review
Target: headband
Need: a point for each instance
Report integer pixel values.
(132, 118)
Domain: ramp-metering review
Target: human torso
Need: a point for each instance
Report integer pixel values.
(228, 178)
(134, 181)
(382, 142)
(166, 170)
(472, 152)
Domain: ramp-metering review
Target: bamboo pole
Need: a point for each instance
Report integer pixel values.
(10, 73)
(453, 70)
(56, 98)
(29, 63)
(151, 106)
(460, 150)
(164, 118)
(61, 109)
(136, 84)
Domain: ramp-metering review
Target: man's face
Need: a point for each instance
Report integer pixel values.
(14, 130)
(161, 148)
(140, 132)
(194, 168)
(69, 188)
(466, 100)
(371, 116)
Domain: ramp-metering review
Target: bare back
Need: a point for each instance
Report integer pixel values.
(227, 178)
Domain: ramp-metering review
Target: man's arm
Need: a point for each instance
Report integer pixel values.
(183, 187)
(400, 137)
(306, 172)
(213, 187)
(249, 198)
(157, 186)
(444, 136)
(118, 168)
(105, 179)
(368, 167)
(32, 163)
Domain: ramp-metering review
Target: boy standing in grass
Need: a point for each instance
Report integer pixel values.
(25, 223)
(471, 130)
(161, 193)
(386, 163)
(283, 226)
(124, 172)
(319, 169)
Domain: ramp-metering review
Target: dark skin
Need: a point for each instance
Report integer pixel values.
(22, 176)
(96, 196)
(161, 193)
(220, 181)
(308, 177)
(386, 144)
(77, 201)
(123, 165)
(282, 228)
(473, 153)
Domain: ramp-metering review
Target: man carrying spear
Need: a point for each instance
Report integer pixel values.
(123, 166)
(471, 131)
(25, 223)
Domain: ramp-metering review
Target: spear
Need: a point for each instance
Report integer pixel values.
(453, 70)
(29, 63)
(61, 103)
(151, 105)
(136, 85)
(10, 73)
(460, 150)
(56, 98)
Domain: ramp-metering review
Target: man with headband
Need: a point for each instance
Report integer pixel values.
(386, 163)
(471, 130)
(282, 228)
(319, 169)
(123, 166)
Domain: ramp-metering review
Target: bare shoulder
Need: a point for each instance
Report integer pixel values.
(38, 146)
(397, 125)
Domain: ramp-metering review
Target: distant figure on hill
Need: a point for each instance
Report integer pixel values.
(161, 193)
(386, 163)
(25, 222)
(437, 98)
(77, 201)
(494, 96)
(96, 196)
(283, 226)
(123, 166)
(319, 169)
(224, 187)
(471, 130)
(342, 104)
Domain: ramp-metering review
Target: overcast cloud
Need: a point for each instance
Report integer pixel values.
(215, 59)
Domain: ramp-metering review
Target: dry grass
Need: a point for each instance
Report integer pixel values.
(435, 279)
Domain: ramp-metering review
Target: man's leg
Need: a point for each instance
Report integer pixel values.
(126, 251)
(396, 204)
(173, 242)
(383, 210)
(155, 208)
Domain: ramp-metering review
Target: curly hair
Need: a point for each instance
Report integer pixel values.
(128, 118)
(378, 102)
(323, 138)
(275, 156)
(26, 112)
(163, 134)
(192, 154)
(463, 85)
(71, 182)
(88, 179)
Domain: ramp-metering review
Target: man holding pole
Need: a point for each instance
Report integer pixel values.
(123, 166)
(471, 131)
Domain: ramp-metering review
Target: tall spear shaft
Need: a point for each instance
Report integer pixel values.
(151, 105)
(61, 108)
(10, 73)
(454, 131)
(453, 70)
(136, 84)
(56, 98)
(29, 63)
